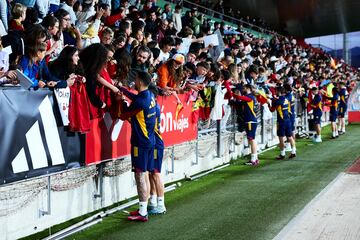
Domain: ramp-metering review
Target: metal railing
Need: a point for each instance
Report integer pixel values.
(247, 26)
(266, 130)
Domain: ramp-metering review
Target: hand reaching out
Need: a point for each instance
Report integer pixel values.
(51, 84)
(41, 84)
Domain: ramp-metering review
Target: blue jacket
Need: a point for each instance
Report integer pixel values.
(39, 71)
(283, 108)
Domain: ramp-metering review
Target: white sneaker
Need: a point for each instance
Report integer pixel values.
(288, 147)
(318, 140)
(158, 210)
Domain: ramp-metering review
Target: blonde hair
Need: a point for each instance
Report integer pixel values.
(18, 10)
(108, 30)
(233, 72)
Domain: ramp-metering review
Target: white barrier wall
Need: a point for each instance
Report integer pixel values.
(72, 193)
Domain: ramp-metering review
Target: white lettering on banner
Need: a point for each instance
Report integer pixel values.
(35, 142)
(116, 129)
(113, 126)
(19, 164)
(51, 132)
(162, 120)
(36, 147)
(63, 97)
(168, 123)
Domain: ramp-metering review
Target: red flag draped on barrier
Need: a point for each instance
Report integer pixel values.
(79, 111)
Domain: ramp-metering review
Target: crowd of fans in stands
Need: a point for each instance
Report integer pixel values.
(54, 42)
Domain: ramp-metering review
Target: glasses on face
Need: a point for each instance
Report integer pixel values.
(67, 19)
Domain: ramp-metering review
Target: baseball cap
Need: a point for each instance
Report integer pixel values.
(179, 58)
(273, 59)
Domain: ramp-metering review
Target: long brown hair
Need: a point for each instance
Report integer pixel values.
(176, 74)
(123, 59)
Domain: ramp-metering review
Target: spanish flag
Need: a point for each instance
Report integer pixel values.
(332, 63)
(179, 107)
(261, 97)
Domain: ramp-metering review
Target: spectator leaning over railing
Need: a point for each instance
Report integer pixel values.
(140, 62)
(92, 68)
(34, 67)
(123, 60)
(170, 74)
(66, 65)
(106, 85)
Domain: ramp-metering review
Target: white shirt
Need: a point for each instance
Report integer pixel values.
(176, 17)
(164, 56)
(43, 7)
(185, 46)
(71, 12)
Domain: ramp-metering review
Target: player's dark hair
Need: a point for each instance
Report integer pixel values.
(154, 89)
(287, 87)
(249, 86)
(225, 74)
(144, 77)
(280, 89)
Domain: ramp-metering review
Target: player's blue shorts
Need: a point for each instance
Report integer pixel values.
(250, 129)
(333, 115)
(284, 128)
(158, 158)
(317, 118)
(142, 159)
(342, 111)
